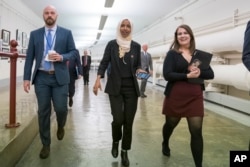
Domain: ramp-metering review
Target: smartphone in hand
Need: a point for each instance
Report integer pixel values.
(142, 75)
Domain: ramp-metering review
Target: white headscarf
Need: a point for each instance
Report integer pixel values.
(124, 43)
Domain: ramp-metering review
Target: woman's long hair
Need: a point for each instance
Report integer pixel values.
(176, 46)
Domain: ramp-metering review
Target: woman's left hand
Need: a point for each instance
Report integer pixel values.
(194, 73)
(97, 86)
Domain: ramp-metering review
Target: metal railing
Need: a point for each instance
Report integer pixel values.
(12, 55)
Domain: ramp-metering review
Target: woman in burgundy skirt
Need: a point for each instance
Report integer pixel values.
(184, 98)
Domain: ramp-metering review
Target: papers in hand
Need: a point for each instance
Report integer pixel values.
(47, 55)
(201, 60)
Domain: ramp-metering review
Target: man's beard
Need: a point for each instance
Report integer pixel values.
(50, 22)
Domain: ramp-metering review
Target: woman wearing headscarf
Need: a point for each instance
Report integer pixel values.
(122, 55)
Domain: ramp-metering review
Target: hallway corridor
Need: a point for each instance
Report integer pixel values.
(87, 141)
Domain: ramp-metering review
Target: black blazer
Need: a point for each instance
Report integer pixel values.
(88, 62)
(111, 55)
(75, 67)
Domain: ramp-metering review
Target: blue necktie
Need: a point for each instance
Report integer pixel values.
(47, 64)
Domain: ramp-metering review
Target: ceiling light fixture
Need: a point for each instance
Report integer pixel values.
(102, 22)
(98, 35)
(109, 3)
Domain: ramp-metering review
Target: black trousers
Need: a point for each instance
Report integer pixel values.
(72, 86)
(85, 74)
(123, 109)
(86, 78)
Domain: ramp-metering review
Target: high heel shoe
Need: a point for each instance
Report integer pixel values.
(124, 156)
(165, 150)
(115, 150)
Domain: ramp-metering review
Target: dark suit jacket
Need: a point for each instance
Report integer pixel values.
(75, 67)
(64, 45)
(246, 47)
(111, 55)
(86, 68)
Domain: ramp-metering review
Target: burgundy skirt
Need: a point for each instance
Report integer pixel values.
(185, 100)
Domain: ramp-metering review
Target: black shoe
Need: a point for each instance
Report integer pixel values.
(124, 156)
(143, 96)
(60, 133)
(70, 101)
(165, 150)
(44, 152)
(115, 150)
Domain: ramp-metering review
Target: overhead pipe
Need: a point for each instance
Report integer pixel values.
(226, 40)
(233, 75)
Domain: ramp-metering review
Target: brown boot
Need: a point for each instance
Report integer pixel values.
(44, 152)
(60, 133)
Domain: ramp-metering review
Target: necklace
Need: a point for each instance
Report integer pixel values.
(124, 62)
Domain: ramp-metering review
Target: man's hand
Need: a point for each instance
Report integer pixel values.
(26, 86)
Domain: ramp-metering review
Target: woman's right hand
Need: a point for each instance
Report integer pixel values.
(140, 70)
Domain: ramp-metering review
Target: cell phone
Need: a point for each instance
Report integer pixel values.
(142, 75)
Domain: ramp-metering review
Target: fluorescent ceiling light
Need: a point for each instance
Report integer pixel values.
(102, 22)
(98, 35)
(109, 3)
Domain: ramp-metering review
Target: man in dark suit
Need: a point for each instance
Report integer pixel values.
(50, 47)
(147, 66)
(75, 72)
(86, 63)
(246, 53)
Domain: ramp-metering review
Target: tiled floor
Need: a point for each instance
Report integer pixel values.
(87, 141)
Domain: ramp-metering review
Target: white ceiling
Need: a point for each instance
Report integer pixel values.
(83, 16)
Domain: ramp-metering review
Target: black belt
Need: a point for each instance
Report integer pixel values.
(48, 72)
